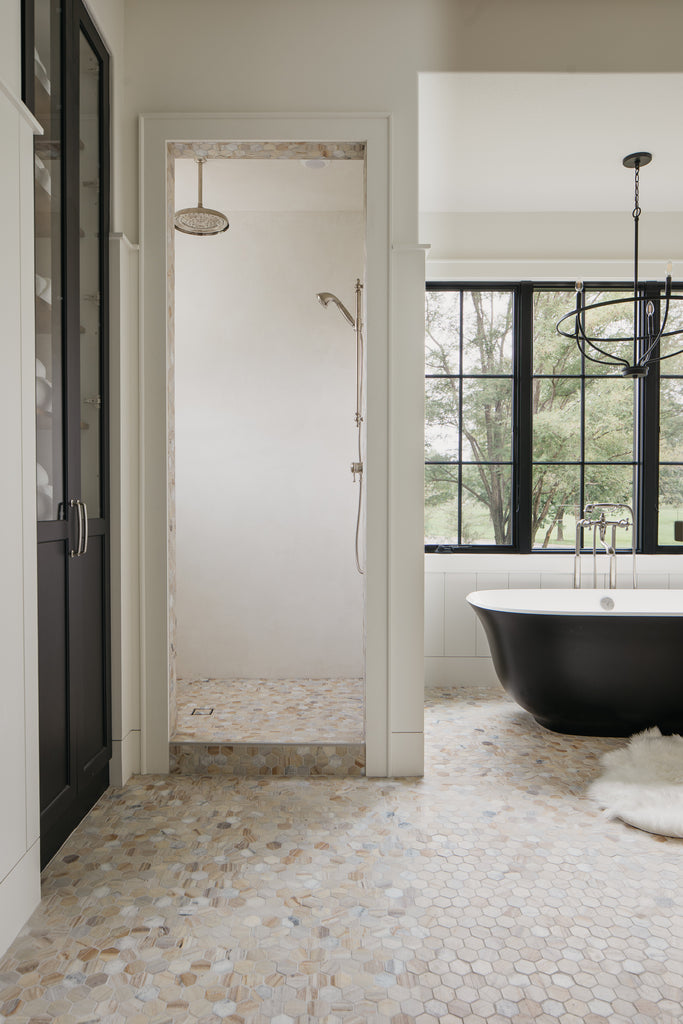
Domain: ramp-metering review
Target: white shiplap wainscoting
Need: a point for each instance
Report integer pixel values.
(19, 846)
(456, 649)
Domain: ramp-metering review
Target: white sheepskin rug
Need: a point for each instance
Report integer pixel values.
(643, 783)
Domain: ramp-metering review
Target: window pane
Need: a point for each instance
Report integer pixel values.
(442, 430)
(486, 505)
(557, 419)
(674, 322)
(442, 332)
(441, 504)
(607, 324)
(556, 501)
(487, 420)
(487, 332)
(671, 420)
(552, 352)
(670, 502)
(609, 412)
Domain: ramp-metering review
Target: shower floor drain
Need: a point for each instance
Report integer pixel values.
(202, 711)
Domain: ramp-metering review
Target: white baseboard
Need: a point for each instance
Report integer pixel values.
(406, 754)
(19, 896)
(125, 758)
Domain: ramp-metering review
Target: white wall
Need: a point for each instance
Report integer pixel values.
(265, 397)
(19, 797)
(550, 238)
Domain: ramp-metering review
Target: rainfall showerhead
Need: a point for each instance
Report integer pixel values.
(199, 220)
(326, 297)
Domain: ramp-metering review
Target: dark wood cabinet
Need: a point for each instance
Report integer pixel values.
(66, 85)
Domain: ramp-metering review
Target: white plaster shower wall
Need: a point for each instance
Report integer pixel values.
(265, 504)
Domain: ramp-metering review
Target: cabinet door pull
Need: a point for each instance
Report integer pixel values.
(74, 553)
(82, 539)
(84, 509)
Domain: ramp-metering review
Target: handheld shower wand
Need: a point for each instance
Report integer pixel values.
(324, 298)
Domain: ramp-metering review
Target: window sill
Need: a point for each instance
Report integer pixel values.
(561, 561)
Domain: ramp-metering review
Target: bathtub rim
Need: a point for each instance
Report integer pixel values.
(555, 601)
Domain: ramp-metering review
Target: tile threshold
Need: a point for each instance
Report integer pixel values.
(302, 760)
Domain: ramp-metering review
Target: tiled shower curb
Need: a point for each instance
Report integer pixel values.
(301, 760)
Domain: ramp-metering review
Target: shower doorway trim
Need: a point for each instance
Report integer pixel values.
(156, 131)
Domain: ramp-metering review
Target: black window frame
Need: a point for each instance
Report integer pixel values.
(646, 455)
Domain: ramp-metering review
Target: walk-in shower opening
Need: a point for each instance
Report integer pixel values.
(267, 451)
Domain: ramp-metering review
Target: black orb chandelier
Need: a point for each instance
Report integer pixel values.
(648, 329)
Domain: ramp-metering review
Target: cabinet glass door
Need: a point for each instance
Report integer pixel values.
(90, 80)
(46, 85)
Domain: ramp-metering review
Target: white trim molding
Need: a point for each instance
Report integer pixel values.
(124, 455)
(395, 302)
(21, 108)
(543, 270)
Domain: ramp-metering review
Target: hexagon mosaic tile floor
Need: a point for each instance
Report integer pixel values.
(489, 891)
(270, 710)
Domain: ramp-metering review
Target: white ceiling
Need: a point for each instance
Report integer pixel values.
(548, 142)
(271, 185)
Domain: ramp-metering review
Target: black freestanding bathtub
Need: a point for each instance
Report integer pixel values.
(589, 662)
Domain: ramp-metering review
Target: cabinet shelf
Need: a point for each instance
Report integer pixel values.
(48, 148)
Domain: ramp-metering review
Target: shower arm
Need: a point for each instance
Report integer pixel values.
(200, 182)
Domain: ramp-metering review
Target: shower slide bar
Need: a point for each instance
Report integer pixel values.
(357, 468)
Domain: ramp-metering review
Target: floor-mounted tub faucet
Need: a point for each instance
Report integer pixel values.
(599, 527)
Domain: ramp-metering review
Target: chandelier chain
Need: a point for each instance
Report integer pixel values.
(636, 208)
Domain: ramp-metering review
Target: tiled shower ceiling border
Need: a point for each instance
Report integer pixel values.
(268, 150)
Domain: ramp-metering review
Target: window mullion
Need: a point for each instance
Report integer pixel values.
(461, 328)
(647, 453)
(522, 424)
